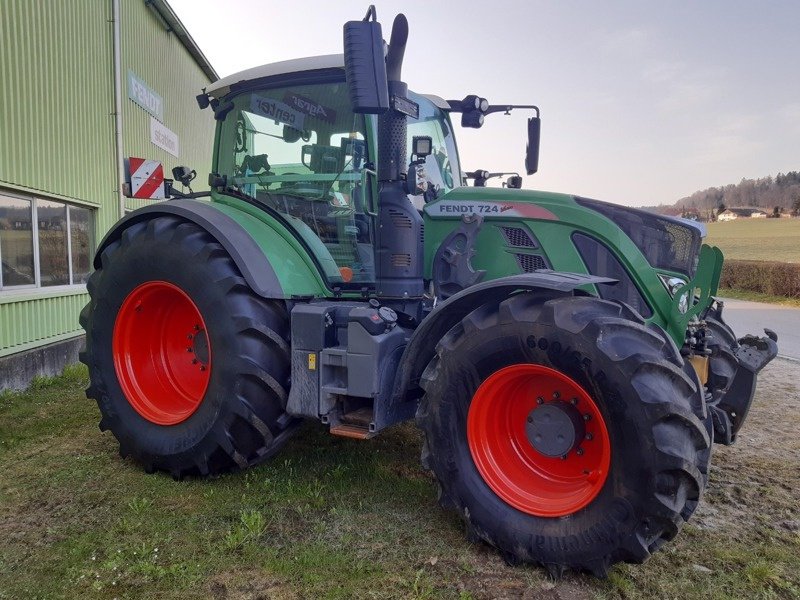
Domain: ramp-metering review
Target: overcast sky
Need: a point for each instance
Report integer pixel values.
(642, 102)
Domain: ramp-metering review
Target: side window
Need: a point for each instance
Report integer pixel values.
(441, 167)
(438, 166)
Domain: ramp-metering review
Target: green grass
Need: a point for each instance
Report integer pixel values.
(757, 239)
(758, 297)
(327, 518)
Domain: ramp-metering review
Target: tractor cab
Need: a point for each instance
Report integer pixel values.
(291, 140)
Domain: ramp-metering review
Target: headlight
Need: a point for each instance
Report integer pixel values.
(673, 284)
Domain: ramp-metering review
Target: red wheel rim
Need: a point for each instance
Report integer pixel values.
(505, 456)
(161, 353)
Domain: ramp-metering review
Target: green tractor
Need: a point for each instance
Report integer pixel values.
(565, 358)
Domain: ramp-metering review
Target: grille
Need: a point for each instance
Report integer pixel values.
(399, 219)
(666, 242)
(516, 236)
(401, 260)
(530, 262)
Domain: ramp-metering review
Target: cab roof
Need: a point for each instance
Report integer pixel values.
(297, 65)
(285, 67)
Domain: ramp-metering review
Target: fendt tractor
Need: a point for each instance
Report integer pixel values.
(566, 359)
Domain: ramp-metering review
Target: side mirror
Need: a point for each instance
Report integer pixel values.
(532, 150)
(365, 65)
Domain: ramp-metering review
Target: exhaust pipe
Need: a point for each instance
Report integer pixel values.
(392, 124)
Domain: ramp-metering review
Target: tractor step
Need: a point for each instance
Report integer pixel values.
(355, 424)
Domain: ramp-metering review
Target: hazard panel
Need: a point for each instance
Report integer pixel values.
(147, 179)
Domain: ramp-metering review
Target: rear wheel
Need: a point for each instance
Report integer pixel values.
(190, 368)
(564, 431)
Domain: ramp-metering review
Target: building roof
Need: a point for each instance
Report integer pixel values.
(743, 211)
(173, 24)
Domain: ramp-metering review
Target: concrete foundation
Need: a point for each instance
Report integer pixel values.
(18, 370)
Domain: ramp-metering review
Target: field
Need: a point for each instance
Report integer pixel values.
(757, 239)
(336, 518)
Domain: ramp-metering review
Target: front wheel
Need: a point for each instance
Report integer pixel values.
(565, 431)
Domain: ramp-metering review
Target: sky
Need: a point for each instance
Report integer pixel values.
(642, 102)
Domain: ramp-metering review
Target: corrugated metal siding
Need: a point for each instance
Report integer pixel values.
(56, 99)
(57, 124)
(157, 56)
(24, 321)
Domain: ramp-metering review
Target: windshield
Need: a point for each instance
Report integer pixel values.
(301, 150)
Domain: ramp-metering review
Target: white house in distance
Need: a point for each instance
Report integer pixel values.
(746, 212)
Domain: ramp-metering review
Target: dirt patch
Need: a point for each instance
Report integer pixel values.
(757, 480)
(250, 584)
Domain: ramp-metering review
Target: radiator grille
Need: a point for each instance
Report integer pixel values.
(530, 262)
(516, 236)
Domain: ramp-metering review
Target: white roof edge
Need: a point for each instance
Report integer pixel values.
(438, 101)
(297, 65)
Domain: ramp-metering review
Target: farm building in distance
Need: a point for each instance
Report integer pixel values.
(729, 214)
(107, 79)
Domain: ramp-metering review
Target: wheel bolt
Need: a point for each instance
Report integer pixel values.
(540, 400)
(563, 457)
(587, 417)
(188, 337)
(530, 419)
(589, 436)
(574, 401)
(194, 361)
(579, 451)
(202, 367)
(197, 327)
(556, 395)
(188, 349)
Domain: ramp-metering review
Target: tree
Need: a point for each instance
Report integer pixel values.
(721, 207)
(776, 212)
(796, 206)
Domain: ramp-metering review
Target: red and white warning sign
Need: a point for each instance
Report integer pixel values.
(147, 178)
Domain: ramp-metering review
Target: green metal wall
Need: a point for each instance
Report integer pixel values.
(33, 319)
(159, 58)
(57, 126)
(56, 100)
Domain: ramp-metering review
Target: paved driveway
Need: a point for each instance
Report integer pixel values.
(752, 317)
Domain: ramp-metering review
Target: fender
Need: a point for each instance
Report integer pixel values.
(422, 346)
(249, 256)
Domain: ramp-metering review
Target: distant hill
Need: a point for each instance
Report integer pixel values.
(766, 193)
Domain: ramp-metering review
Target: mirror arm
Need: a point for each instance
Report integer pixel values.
(507, 108)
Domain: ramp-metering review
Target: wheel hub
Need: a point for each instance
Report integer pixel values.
(555, 428)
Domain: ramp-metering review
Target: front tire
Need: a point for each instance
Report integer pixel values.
(637, 479)
(189, 367)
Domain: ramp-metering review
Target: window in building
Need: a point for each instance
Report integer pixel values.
(16, 242)
(43, 243)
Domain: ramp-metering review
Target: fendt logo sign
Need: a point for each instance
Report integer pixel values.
(140, 92)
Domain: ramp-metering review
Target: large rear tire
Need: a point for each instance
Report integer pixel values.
(633, 475)
(190, 368)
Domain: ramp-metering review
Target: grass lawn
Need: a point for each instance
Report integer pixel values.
(757, 239)
(338, 518)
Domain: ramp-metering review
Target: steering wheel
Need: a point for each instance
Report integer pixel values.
(300, 187)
